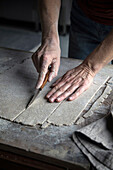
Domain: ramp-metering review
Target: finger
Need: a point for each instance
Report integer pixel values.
(70, 80)
(67, 93)
(34, 60)
(77, 93)
(55, 83)
(60, 84)
(42, 74)
(59, 92)
(54, 69)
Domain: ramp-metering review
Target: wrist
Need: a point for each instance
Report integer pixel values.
(88, 69)
(50, 33)
(94, 67)
(95, 61)
(54, 38)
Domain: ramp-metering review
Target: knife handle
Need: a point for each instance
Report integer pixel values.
(45, 80)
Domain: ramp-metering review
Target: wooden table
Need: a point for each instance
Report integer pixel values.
(33, 147)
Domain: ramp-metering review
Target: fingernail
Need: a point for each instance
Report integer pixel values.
(50, 78)
(58, 99)
(47, 96)
(70, 98)
(38, 86)
(51, 100)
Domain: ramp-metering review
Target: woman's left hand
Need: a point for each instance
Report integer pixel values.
(73, 83)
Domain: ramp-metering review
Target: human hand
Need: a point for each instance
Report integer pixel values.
(47, 54)
(73, 83)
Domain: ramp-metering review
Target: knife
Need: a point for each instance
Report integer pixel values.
(37, 91)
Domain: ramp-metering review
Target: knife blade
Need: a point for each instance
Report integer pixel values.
(37, 91)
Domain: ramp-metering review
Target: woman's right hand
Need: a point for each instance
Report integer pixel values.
(48, 54)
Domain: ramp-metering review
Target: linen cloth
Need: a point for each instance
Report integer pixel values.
(96, 142)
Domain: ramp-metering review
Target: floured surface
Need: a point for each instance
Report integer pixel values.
(17, 86)
(9, 58)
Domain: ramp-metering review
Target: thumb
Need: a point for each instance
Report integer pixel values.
(42, 74)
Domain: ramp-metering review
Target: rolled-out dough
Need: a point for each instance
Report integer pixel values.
(99, 101)
(17, 86)
(68, 112)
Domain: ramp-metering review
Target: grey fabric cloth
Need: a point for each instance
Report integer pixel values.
(96, 142)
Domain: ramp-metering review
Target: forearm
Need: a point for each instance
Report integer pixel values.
(49, 14)
(102, 55)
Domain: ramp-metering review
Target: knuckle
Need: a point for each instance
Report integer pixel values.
(56, 88)
(45, 57)
(71, 89)
(68, 81)
(32, 56)
(65, 77)
(65, 95)
(38, 52)
(68, 90)
(74, 88)
(71, 82)
(69, 72)
(43, 67)
(55, 74)
(61, 89)
(68, 93)
(85, 83)
(38, 69)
